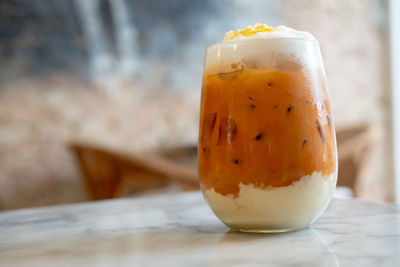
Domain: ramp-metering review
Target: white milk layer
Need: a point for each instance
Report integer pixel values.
(291, 207)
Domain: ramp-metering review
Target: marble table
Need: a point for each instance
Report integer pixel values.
(180, 230)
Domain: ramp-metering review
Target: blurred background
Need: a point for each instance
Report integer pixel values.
(100, 98)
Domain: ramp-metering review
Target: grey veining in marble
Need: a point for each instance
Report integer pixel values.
(180, 230)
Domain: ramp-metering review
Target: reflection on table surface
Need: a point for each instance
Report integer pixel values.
(209, 245)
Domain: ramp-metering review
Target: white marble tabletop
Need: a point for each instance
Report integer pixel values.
(180, 230)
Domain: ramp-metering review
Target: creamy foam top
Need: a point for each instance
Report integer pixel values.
(284, 49)
(262, 31)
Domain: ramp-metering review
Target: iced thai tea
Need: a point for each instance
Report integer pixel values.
(267, 148)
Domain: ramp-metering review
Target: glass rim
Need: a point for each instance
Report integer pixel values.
(266, 40)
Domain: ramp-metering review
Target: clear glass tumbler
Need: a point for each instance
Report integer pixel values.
(267, 146)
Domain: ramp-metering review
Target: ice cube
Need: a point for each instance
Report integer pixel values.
(260, 60)
(287, 63)
(272, 60)
(229, 76)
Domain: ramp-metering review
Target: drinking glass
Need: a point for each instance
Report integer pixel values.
(267, 156)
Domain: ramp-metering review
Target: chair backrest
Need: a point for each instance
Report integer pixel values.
(107, 174)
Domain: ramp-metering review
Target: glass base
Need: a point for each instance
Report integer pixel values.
(266, 231)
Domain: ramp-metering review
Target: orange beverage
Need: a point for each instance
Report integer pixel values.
(267, 147)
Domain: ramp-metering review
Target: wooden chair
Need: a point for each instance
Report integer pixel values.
(109, 174)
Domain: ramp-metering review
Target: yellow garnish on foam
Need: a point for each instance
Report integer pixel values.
(248, 31)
